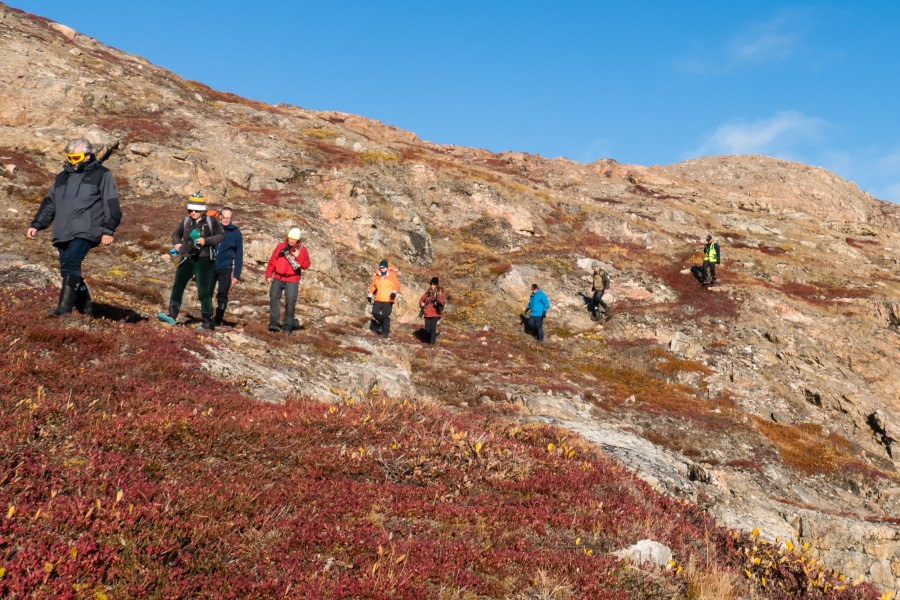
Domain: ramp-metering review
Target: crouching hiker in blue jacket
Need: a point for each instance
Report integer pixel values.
(538, 305)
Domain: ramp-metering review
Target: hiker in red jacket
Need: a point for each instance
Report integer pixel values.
(432, 304)
(287, 262)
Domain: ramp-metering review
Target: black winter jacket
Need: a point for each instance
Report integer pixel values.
(80, 204)
(209, 228)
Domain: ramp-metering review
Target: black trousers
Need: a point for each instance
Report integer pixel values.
(709, 271)
(536, 324)
(381, 312)
(72, 254)
(431, 324)
(221, 287)
(597, 303)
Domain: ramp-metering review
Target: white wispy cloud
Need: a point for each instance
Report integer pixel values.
(778, 135)
(777, 39)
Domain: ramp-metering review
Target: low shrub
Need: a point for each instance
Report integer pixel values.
(127, 471)
(376, 157)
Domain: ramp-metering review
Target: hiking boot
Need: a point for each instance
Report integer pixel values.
(220, 316)
(83, 303)
(287, 330)
(274, 328)
(165, 318)
(67, 295)
(206, 323)
(169, 318)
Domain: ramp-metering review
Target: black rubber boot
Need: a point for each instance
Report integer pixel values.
(67, 295)
(83, 303)
(220, 315)
(207, 322)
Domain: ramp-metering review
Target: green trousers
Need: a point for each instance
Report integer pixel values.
(205, 272)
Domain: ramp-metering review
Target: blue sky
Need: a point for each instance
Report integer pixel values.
(646, 83)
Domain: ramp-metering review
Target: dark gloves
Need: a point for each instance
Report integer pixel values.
(369, 298)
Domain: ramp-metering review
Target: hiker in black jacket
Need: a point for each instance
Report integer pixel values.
(229, 262)
(83, 206)
(599, 285)
(194, 241)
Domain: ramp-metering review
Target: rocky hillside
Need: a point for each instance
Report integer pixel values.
(773, 399)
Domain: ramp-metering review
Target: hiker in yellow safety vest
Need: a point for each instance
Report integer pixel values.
(712, 256)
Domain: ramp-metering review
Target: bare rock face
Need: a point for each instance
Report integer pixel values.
(759, 183)
(774, 397)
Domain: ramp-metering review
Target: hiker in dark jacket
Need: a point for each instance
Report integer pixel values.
(229, 262)
(712, 256)
(194, 241)
(83, 206)
(599, 285)
(432, 304)
(287, 263)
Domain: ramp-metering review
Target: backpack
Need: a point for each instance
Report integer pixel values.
(213, 250)
(440, 308)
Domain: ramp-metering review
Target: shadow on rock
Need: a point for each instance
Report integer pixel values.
(116, 313)
(421, 335)
(588, 300)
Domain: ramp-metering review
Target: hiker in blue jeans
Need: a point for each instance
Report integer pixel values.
(83, 207)
(538, 305)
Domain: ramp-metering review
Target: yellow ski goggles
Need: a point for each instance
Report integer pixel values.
(75, 158)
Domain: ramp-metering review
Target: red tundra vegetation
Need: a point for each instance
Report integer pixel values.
(128, 472)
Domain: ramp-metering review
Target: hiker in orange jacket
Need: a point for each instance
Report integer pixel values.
(383, 293)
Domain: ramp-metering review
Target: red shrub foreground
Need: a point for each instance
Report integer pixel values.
(127, 472)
